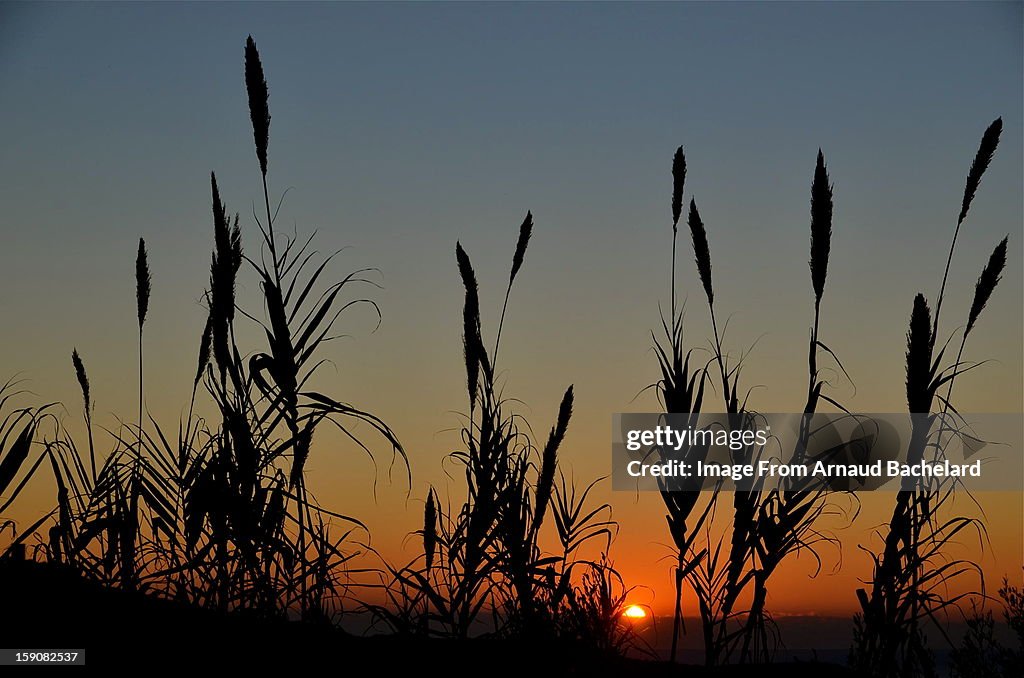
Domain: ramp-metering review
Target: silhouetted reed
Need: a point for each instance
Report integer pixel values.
(220, 517)
(678, 185)
(484, 559)
(821, 227)
(990, 276)
(18, 430)
(701, 251)
(786, 516)
(766, 526)
(982, 159)
(143, 285)
(987, 281)
(259, 111)
(911, 576)
(719, 594)
(430, 529)
(525, 231)
(83, 384)
(680, 392)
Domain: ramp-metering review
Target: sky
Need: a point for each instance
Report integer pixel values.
(400, 128)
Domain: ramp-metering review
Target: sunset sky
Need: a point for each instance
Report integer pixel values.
(399, 128)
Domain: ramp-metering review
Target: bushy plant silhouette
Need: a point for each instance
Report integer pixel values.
(222, 517)
(767, 524)
(911, 574)
(484, 560)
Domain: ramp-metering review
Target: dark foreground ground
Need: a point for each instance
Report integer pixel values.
(45, 606)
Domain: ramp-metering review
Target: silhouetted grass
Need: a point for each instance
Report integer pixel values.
(18, 428)
(912, 573)
(786, 516)
(219, 516)
(681, 391)
(143, 287)
(720, 584)
(767, 525)
(483, 568)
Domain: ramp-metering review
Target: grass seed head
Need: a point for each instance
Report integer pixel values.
(678, 180)
(430, 528)
(987, 281)
(987, 148)
(259, 111)
(821, 226)
(83, 378)
(143, 282)
(471, 340)
(525, 231)
(701, 251)
(919, 357)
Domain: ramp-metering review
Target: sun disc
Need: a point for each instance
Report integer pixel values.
(635, 612)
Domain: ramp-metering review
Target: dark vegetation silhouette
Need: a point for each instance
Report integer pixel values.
(483, 568)
(982, 654)
(767, 524)
(18, 429)
(219, 516)
(911, 575)
(216, 519)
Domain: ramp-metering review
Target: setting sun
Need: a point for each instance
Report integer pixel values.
(635, 612)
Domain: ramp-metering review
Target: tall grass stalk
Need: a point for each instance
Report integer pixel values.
(912, 574)
(143, 286)
(786, 517)
(83, 383)
(737, 572)
(766, 526)
(680, 391)
(221, 516)
(482, 557)
(982, 159)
